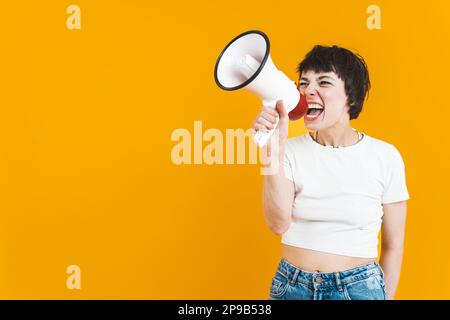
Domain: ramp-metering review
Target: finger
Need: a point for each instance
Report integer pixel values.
(271, 111)
(280, 108)
(265, 122)
(269, 117)
(260, 127)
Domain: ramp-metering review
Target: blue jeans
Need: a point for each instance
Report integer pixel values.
(365, 282)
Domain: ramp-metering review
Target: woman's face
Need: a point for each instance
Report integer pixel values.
(324, 90)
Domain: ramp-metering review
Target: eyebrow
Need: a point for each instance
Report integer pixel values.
(319, 78)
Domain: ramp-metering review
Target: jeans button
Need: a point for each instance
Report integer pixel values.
(319, 279)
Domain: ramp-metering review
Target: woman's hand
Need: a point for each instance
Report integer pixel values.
(266, 120)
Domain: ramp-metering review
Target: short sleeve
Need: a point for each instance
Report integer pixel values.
(288, 163)
(395, 185)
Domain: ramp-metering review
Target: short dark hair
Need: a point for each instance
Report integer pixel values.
(348, 66)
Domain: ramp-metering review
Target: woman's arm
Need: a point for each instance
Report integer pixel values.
(278, 191)
(392, 238)
(278, 196)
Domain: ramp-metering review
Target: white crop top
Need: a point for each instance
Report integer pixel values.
(339, 194)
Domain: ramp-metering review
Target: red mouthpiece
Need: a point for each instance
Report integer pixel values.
(300, 110)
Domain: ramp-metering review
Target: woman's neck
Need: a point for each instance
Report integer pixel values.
(343, 137)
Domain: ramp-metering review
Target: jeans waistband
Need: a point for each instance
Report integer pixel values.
(295, 274)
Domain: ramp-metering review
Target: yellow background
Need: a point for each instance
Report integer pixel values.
(87, 115)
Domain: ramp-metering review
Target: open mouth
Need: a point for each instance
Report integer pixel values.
(314, 111)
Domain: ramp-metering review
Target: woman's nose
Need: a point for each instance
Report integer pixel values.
(310, 91)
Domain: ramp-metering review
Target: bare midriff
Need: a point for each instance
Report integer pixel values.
(317, 261)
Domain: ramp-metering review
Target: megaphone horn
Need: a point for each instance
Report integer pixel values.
(246, 63)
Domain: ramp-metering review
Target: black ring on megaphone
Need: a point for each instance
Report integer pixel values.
(263, 62)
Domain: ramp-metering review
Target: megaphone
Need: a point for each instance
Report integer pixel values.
(246, 63)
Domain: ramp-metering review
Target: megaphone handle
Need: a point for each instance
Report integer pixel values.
(262, 137)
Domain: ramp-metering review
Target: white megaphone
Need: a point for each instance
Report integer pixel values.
(245, 63)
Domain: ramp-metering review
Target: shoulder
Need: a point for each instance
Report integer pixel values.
(298, 141)
(297, 144)
(384, 150)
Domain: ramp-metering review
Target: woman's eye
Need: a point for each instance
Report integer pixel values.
(302, 84)
(324, 82)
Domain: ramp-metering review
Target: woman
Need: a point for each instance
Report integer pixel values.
(337, 188)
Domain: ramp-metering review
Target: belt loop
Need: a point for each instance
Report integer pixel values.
(294, 277)
(338, 281)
